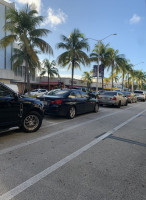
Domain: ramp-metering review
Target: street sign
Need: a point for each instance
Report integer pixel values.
(95, 70)
(101, 71)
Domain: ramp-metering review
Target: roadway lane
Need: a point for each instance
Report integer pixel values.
(82, 167)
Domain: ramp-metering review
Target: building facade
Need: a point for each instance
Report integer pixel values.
(6, 73)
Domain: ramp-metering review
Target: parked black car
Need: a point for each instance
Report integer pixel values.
(15, 110)
(68, 102)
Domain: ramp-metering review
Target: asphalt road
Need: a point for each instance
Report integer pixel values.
(96, 156)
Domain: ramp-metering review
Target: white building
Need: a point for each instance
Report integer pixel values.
(7, 75)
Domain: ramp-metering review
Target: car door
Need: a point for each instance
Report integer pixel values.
(76, 100)
(9, 107)
(87, 102)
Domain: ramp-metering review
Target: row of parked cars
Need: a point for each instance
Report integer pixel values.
(120, 98)
(27, 113)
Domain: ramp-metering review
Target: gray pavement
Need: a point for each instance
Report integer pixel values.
(94, 156)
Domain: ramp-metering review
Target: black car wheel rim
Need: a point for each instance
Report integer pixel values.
(31, 122)
(72, 112)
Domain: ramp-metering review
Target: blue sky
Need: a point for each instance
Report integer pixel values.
(96, 19)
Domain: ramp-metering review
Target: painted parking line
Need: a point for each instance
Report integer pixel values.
(28, 183)
(24, 144)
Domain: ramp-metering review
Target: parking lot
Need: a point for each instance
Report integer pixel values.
(93, 156)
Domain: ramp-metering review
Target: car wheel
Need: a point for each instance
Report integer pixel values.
(71, 113)
(126, 103)
(119, 104)
(32, 122)
(96, 108)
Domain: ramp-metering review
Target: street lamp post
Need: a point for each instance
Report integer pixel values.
(133, 78)
(99, 42)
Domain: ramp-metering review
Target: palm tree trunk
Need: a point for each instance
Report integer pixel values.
(72, 74)
(48, 82)
(112, 76)
(27, 73)
(123, 81)
(128, 82)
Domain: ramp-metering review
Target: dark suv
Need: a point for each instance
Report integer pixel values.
(24, 112)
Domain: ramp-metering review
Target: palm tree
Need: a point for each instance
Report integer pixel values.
(23, 28)
(50, 69)
(106, 81)
(115, 60)
(18, 60)
(87, 77)
(74, 54)
(115, 77)
(140, 78)
(100, 53)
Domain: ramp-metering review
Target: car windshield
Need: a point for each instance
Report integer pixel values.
(34, 90)
(138, 92)
(42, 90)
(110, 93)
(125, 92)
(57, 93)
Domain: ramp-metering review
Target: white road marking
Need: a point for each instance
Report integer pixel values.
(80, 117)
(28, 183)
(12, 148)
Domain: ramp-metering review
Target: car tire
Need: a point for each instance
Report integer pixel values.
(71, 113)
(126, 103)
(119, 104)
(31, 122)
(96, 108)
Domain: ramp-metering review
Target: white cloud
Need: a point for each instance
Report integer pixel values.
(55, 18)
(135, 19)
(35, 3)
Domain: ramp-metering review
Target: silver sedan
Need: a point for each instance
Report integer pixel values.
(113, 98)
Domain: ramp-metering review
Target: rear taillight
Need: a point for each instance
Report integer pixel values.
(98, 97)
(128, 95)
(56, 102)
(114, 98)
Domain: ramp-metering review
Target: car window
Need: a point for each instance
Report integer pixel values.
(75, 94)
(57, 93)
(42, 90)
(84, 94)
(5, 92)
(84, 90)
(34, 90)
(138, 92)
(110, 93)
